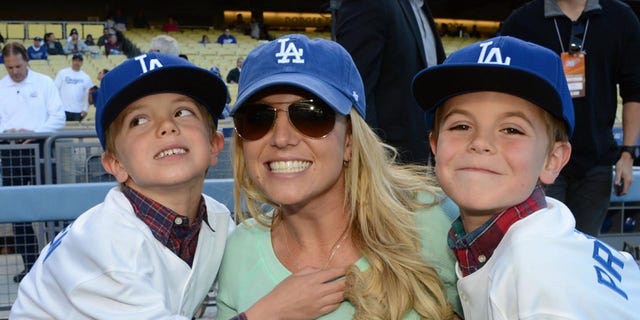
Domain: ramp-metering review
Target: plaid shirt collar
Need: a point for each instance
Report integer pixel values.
(172, 230)
(473, 250)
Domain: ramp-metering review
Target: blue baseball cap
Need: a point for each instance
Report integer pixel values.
(502, 64)
(152, 73)
(322, 67)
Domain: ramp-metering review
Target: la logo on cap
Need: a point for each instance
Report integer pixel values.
(494, 56)
(285, 54)
(153, 63)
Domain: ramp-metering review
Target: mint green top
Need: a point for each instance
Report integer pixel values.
(250, 268)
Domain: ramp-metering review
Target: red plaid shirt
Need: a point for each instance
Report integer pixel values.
(171, 229)
(473, 250)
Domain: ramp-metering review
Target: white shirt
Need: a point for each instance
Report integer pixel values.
(108, 265)
(428, 40)
(544, 269)
(74, 89)
(32, 104)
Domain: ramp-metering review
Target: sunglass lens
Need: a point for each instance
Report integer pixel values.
(253, 121)
(313, 119)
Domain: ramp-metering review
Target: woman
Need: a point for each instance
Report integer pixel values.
(338, 198)
(89, 40)
(205, 39)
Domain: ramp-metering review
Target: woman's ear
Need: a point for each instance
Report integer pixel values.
(114, 167)
(348, 142)
(556, 160)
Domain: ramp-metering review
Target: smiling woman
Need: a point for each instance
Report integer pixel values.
(336, 199)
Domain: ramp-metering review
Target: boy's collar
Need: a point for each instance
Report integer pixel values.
(474, 249)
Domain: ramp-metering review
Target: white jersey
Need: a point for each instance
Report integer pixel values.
(544, 269)
(74, 89)
(108, 265)
(32, 104)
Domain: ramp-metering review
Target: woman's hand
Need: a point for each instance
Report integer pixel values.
(306, 294)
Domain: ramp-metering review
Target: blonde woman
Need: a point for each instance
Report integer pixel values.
(334, 197)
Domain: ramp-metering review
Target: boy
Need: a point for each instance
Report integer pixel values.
(152, 249)
(503, 119)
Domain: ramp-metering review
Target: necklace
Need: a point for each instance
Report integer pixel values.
(334, 249)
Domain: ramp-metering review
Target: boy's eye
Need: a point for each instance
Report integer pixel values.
(138, 121)
(459, 127)
(184, 113)
(512, 131)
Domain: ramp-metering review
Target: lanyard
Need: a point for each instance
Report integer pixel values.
(584, 35)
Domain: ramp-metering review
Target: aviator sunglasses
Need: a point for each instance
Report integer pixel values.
(312, 118)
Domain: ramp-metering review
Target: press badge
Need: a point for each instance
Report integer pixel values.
(574, 70)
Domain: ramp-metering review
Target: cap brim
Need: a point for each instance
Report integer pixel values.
(433, 86)
(328, 93)
(199, 84)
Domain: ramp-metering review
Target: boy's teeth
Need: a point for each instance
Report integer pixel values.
(288, 166)
(170, 152)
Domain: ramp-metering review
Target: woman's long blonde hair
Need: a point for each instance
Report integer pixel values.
(382, 197)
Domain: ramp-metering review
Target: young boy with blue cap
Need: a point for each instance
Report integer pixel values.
(152, 249)
(504, 116)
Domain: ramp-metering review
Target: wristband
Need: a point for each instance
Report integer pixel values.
(630, 149)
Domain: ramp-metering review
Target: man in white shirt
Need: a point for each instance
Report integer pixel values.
(74, 85)
(29, 102)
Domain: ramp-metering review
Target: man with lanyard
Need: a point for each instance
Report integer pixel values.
(599, 42)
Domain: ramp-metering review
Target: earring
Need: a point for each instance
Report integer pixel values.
(345, 163)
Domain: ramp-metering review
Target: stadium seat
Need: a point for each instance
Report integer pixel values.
(35, 29)
(56, 28)
(15, 31)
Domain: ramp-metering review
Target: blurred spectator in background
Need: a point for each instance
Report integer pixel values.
(254, 28)
(258, 30)
(104, 38)
(234, 74)
(205, 39)
(171, 25)
(226, 37)
(140, 20)
(114, 45)
(128, 47)
(1, 39)
(120, 20)
(474, 33)
(29, 102)
(239, 25)
(74, 44)
(166, 44)
(37, 51)
(93, 91)
(88, 40)
(74, 85)
(52, 44)
(225, 113)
